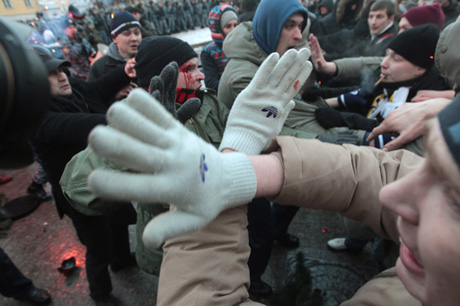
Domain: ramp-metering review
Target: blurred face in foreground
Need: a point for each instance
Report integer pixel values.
(428, 204)
(189, 75)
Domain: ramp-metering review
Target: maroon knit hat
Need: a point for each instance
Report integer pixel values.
(426, 14)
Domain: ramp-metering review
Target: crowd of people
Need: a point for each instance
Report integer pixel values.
(301, 102)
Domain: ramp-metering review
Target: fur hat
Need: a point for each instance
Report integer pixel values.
(417, 45)
(156, 52)
(122, 21)
(426, 14)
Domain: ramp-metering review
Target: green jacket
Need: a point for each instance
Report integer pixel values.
(208, 123)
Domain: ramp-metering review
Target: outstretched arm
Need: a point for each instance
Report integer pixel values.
(407, 122)
(317, 58)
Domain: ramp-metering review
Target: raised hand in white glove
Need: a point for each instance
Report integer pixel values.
(170, 164)
(260, 110)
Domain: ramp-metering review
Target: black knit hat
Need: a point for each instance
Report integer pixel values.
(449, 121)
(156, 52)
(417, 45)
(122, 21)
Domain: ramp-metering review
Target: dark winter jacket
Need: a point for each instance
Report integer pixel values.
(64, 129)
(106, 63)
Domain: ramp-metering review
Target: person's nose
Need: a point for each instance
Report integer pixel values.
(403, 195)
(62, 76)
(200, 76)
(384, 63)
(298, 34)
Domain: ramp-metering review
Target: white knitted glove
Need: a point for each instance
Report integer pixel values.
(260, 110)
(170, 164)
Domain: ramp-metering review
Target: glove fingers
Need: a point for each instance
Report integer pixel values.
(290, 73)
(302, 75)
(157, 95)
(169, 225)
(122, 117)
(188, 109)
(125, 150)
(263, 73)
(145, 104)
(170, 74)
(287, 63)
(125, 186)
(170, 107)
(156, 84)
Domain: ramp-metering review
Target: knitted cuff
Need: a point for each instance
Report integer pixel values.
(244, 142)
(239, 179)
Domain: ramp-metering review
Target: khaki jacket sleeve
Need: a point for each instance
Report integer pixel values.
(346, 179)
(352, 67)
(385, 288)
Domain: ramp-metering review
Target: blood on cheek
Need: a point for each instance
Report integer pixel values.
(189, 79)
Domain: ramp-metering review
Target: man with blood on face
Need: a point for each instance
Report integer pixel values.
(155, 53)
(189, 75)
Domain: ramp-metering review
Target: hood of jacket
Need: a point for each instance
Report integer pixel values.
(447, 55)
(112, 52)
(214, 22)
(269, 19)
(241, 44)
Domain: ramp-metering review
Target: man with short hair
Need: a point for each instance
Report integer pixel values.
(126, 37)
(125, 31)
(381, 32)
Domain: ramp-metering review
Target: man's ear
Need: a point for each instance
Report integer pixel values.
(419, 71)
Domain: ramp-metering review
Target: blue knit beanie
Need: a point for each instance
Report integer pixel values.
(122, 21)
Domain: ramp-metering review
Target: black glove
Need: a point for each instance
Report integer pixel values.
(328, 117)
(340, 138)
(163, 88)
